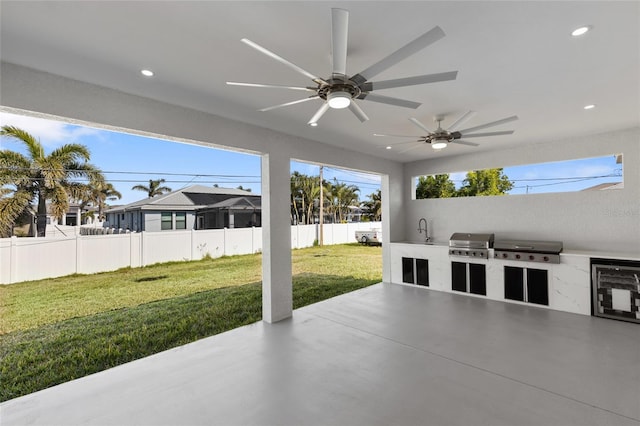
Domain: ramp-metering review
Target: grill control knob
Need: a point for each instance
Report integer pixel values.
(546, 258)
(505, 255)
(531, 257)
(517, 256)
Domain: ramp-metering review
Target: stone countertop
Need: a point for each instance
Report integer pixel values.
(566, 252)
(423, 243)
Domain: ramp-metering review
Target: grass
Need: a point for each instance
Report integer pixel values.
(66, 328)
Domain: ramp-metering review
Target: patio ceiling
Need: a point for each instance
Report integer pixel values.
(512, 58)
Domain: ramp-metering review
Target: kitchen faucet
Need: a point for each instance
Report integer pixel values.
(420, 229)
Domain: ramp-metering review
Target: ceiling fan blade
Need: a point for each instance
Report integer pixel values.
(389, 100)
(355, 108)
(458, 141)
(318, 114)
(493, 123)
(419, 124)
(282, 60)
(396, 136)
(479, 135)
(412, 81)
(404, 52)
(460, 121)
(270, 86)
(289, 103)
(339, 37)
(419, 144)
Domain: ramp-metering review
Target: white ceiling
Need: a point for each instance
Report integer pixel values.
(512, 58)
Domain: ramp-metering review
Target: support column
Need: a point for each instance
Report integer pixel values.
(392, 188)
(277, 297)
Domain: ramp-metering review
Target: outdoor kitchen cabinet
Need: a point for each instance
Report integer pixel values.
(469, 278)
(415, 271)
(526, 285)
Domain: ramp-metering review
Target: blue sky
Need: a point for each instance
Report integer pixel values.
(561, 176)
(128, 160)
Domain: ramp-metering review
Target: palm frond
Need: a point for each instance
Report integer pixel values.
(11, 208)
(71, 153)
(33, 145)
(59, 201)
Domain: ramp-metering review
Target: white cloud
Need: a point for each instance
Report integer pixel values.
(50, 133)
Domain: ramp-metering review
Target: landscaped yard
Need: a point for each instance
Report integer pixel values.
(56, 330)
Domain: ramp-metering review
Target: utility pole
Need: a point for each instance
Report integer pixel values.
(321, 222)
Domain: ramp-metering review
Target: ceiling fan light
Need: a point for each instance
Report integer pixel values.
(580, 31)
(339, 99)
(438, 144)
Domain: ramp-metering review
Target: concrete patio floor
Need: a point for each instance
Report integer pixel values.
(387, 354)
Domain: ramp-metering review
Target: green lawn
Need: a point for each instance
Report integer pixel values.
(61, 329)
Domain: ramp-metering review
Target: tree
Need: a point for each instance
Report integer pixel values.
(438, 186)
(154, 188)
(341, 196)
(97, 194)
(485, 182)
(40, 177)
(373, 206)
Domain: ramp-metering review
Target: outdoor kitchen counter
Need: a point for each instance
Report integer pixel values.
(569, 282)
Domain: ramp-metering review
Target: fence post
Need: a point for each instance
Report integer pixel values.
(77, 236)
(192, 243)
(224, 241)
(143, 261)
(12, 259)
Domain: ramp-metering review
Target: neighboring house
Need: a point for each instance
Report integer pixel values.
(193, 207)
(605, 186)
(72, 217)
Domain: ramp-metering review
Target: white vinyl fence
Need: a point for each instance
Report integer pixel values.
(27, 259)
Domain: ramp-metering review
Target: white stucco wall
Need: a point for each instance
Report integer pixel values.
(586, 220)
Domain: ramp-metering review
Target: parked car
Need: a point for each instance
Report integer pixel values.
(371, 237)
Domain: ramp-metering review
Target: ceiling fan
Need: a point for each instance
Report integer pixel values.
(341, 90)
(441, 138)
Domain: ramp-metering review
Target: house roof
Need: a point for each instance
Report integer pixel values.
(241, 203)
(190, 198)
(606, 186)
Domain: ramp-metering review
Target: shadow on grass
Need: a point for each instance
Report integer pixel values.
(35, 359)
(145, 279)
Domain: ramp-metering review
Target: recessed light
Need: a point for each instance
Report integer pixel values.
(591, 106)
(388, 147)
(147, 73)
(313, 124)
(580, 31)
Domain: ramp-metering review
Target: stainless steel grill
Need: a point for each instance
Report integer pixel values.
(528, 250)
(470, 245)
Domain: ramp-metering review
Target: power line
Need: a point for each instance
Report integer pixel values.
(141, 173)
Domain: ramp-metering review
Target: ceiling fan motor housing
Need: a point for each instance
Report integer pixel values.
(338, 84)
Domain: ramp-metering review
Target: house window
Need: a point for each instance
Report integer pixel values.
(166, 221)
(181, 220)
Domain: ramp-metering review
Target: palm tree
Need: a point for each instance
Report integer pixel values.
(97, 193)
(341, 197)
(374, 206)
(40, 177)
(154, 188)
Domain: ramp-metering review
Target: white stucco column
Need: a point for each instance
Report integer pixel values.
(277, 297)
(393, 222)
